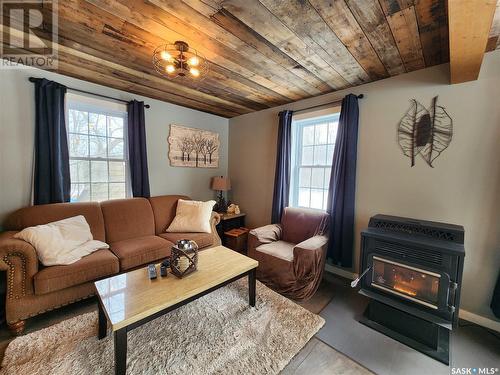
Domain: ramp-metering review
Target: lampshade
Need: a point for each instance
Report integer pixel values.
(221, 183)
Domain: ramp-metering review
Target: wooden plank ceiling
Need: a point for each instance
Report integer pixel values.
(261, 53)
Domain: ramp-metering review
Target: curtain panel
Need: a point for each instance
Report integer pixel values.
(282, 173)
(51, 182)
(343, 185)
(137, 152)
(495, 299)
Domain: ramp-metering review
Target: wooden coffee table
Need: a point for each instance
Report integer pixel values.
(131, 299)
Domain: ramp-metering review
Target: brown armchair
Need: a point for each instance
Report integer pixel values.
(292, 254)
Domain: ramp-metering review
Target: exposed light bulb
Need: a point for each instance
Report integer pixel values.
(165, 55)
(195, 72)
(170, 68)
(194, 61)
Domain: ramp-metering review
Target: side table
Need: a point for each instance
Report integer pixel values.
(228, 222)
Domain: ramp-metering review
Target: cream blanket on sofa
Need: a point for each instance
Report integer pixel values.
(61, 242)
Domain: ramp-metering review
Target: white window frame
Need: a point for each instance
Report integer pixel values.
(106, 108)
(298, 124)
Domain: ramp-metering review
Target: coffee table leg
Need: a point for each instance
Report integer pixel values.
(103, 322)
(251, 287)
(120, 337)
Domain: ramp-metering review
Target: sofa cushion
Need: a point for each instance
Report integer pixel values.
(47, 213)
(127, 218)
(202, 239)
(139, 251)
(95, 266)
(164, 208)
(278, 249)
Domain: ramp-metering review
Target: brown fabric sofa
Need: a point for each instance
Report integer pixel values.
(134, 228)
(292, 254)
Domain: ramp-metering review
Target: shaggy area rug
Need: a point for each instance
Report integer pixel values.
(216, 334)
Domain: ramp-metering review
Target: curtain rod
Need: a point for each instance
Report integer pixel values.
(360, 96)
(33, 79)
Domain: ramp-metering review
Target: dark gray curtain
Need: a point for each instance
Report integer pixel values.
(495, 300)
(51, 173)
(137, 149)
(282, 173)
(343, 185)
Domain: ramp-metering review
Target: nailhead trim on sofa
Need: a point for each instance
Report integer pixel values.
(10, 278)
(53, 308)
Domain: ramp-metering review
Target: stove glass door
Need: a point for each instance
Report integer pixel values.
(408, 282)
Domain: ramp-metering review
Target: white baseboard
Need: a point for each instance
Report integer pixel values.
(340, 272)
(464, 314)
(479, 320)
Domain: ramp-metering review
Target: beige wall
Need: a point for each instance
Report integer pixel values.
(17, 114)
(463, 187)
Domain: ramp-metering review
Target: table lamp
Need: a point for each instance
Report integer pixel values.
(221, 184)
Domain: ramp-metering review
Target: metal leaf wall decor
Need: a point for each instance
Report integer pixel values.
(425, 132)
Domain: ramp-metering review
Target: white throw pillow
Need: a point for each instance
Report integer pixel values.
(192, 216)
(61, 242)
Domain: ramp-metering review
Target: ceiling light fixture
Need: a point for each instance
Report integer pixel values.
(179, 60)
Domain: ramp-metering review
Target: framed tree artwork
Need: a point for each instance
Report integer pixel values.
(190, 147)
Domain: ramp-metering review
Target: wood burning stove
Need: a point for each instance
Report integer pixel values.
(413, 280)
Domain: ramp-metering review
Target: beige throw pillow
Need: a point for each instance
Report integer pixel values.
(61, 242)
(192, 216)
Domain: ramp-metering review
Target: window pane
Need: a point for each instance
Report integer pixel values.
(308, 135)
(116, 171)
(305, 177)
(115, 128)
(80, 192)
(99, 192)
(314, 151)
(321, 135)
(304, 197)
(317, 198)
(317, 178)
(97, 124)
(307, 155)
(320, 155)
(78, 121)
(115, 148)
(78, 145)
(332, 132)
(327, 177)
(98, 155)
(79, 171)
(329, 154)
(117, 190)
(99, 170)
(97, 147)
(74, 193)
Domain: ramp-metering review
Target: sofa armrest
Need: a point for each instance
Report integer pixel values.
(18, 258)
(316, 243)
(263, 235)
(266, 234)
(214, 220)
(309, 260)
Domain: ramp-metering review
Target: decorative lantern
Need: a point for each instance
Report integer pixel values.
(184, 258)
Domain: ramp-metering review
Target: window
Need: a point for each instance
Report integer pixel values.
(97, 149)
(313, 142)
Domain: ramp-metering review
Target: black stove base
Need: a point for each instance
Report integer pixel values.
(419, 334)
